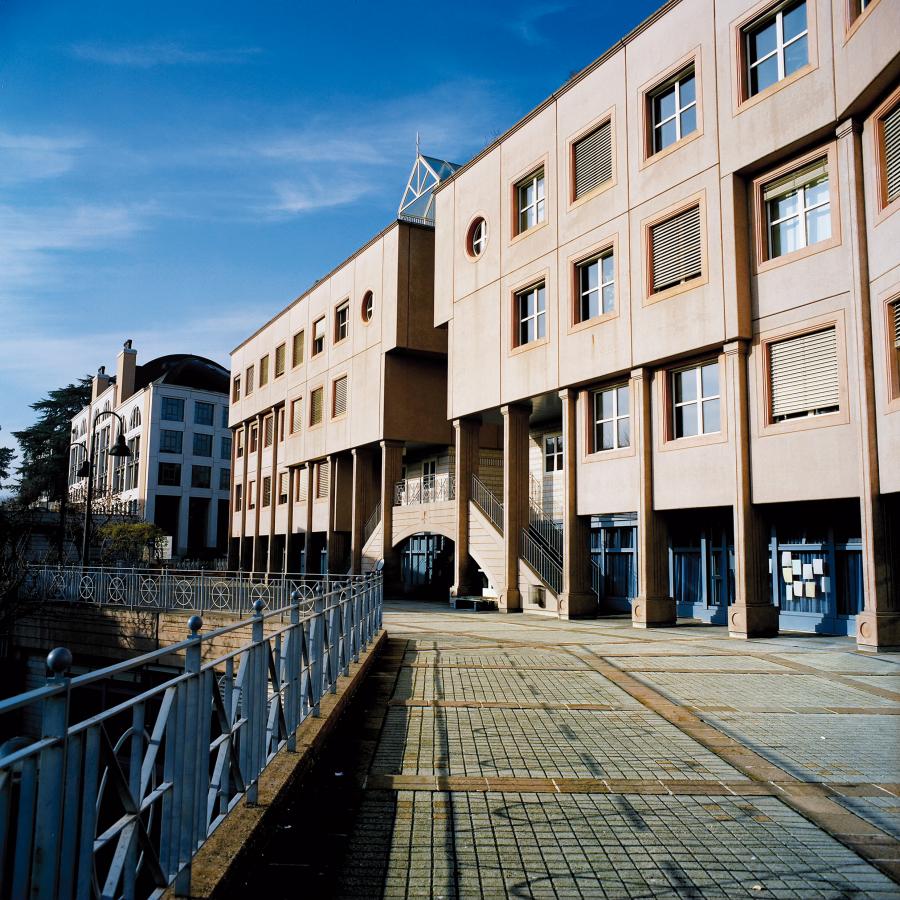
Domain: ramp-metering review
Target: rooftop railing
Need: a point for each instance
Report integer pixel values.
(117, 802)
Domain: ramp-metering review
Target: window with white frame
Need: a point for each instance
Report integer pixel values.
(238, 497)
(553, 453)
(251, 495)
(612, 419)
(135, 418)
(342, 321)
(775, 45)
(531, 315)
(477, 238)
(798, 209)
(596, 286)
(368, 306)
(318, 343)
(530, 201)
(695, 400)
(236, 389)
(673, 110)
(803, 376)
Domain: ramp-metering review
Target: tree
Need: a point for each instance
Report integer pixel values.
(130, 542)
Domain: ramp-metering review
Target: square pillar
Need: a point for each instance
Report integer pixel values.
(653, 607)
(273, 505)
(360, 504)
(289, 529)
(245, 468)
(330, 548)
(577, 598)
(307, 473)
(465, 576)
(257, 560)
(391, 466)
(515, 500)
(752, 614)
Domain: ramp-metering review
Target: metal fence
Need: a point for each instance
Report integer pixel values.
(540, 559)
(487, 503)
(117, 803)
(426, 489)
(173, 589)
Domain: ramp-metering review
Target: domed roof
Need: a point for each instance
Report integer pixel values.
(185, 370)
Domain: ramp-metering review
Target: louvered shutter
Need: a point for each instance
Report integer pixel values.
(676, 251)
(301, 484)
(279, 360)
(340, 396)
(895, 316)
(891, 130)
(803, 374)
(323, 476)
(315, 402)
(298, 349)
(593, 160)
(296, 415)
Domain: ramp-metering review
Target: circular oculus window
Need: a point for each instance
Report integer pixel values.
(367, 309)
(476, 239)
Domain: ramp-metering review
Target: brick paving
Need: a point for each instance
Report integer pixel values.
(525, 757)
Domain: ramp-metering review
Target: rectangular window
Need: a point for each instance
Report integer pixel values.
(342, 321)
(134, 445)
(224, 479)
(592, 160)
(264, 371)
(895, 321)
(225, 447)
(203, 444)
(530, 202)
(204, 413)
(695, 400)
(170, 441)
(240, 443)
(267, 491)
(318, 336)
(888, 130)
(323, 478)
(251, 495)
(596, 286)
(553, 453)
(248, 379)
(238, 497)
(280, 353)
(676, 253)
(798, 209)
(612, 421)
(224, 416)
(339, 397)
(297, 348)
(236, 389)
(282, 487)
(531, 315)
(169, 474)
(673, 110)
(200, 476)
(316, 406)
(296, 415)
(268, 430)
(254, 438)
(803, 376)
(173, 409)
(776, 46)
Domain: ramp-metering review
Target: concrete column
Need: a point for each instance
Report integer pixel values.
(360, 505)
(245, 461)
(273, 506)
(752, 613)
(653, 607)
(577, 599)
(878, 625)
(332, 500)
(257, 467)
(391, 466)
(515, 500)
(308, 513)
(465, 575)
(289, 529)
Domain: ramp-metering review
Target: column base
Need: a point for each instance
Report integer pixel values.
(577, 605)
(877, 631)
(465, 589)
(752, 621)
(510, 601)
(653, 612)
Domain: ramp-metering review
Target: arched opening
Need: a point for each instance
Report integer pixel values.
(426, 566)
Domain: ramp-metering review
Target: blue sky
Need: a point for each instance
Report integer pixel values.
(177, 172)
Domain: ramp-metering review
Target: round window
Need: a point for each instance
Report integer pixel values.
(368, 306)
(476, 240)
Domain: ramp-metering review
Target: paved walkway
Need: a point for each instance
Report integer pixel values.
(526, 757)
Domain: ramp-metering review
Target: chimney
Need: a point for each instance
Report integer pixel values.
(126, 363)
(100, 383)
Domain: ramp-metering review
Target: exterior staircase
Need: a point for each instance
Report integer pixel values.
(542, 540)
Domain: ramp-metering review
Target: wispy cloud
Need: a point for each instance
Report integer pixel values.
(31, 157)
(164, 53)
(526, 25)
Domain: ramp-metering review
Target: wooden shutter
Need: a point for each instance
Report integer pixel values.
(340, 397)
(891, 130)
(323, 476)
(315, 403)
(895, 317)
(803, 374)
(296, 415)
(267, 490)
(279, 360)
(593, 159)
(297, 357)
(676, 250)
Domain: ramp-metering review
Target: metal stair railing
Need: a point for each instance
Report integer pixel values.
(541, 561)
(487, 503)
(543, 526)
(596, 578)
(372, 522)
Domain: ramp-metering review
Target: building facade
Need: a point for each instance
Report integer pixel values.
(174, 411)
(671, 303)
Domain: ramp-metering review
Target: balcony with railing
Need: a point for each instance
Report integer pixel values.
(426, 489)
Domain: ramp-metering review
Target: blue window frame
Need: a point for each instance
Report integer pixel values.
(204, 413)
(173, 409)
(203, 444)
(701, 571)
(614, 559)
(170, 441)
(225, 448)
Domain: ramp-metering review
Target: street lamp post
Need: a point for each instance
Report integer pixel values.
(87, 468)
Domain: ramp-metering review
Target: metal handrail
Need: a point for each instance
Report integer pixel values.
(426, 489)
(543, 564)
(172, 589)
(596, 578)
(542, 524)
(372, 522)
(487, 503)
(120, 801)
